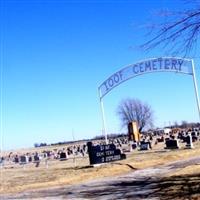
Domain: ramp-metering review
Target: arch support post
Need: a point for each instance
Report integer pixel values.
(103, 118)
(195, 87)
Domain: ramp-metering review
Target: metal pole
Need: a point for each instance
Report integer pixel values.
(1, 79)
(103, 117)
(195, 87)
(74, 158)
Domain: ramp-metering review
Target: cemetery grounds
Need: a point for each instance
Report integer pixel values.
(18, 179)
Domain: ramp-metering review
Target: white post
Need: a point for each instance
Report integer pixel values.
(74, 157)
(195, 87)
(103, 117)
(2, 26)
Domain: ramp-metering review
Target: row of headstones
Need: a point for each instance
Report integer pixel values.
(28, 159)
(170, 144)
(173, 143)
(183, 136)
(140, 145)
(119, 141)
(71, 150)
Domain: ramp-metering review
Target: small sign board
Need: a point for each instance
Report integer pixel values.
(104, 153)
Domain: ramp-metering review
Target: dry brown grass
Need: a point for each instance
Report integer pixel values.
(180, 186)
(193, 169)
(59, 173)
(62, 173)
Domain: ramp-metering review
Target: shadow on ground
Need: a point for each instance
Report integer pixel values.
(177, 187)
(168, 188)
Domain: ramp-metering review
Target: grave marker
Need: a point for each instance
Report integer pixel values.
(36, 160)
(133, 132)
(145, 146)
(63, 156)
(22, 160)
(171, 144)
(189, 143)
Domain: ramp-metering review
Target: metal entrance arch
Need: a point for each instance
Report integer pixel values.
(163, 64)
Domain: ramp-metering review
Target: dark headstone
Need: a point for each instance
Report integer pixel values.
(16, 159)
(134, 145)
(171, 144)
(29, 159)
(36, 158)
(189, 143)
(160, 139)
(144, 146)
(22, 160)
(63, 156)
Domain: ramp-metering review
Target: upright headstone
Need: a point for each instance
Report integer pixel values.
(133, 132)
(36, 160)
(63, 156)
(171, 144)
(2, 162)
(145, 146)
(16, 159)
(160, 139)
(189, 143)
(22, 160)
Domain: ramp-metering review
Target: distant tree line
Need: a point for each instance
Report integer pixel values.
(40, 145)
(185, 124)
(36, 145)
(110, 136)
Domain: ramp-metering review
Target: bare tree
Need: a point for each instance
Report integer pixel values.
(180, 31)
(135, 110)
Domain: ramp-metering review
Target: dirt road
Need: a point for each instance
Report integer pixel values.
(150, 183)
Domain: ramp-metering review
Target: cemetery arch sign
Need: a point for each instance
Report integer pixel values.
(162, 64)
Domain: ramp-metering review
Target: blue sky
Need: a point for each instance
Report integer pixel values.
(57, 53)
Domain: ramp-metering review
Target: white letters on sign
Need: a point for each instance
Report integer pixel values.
(164, 64)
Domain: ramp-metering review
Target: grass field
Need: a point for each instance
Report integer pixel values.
(16, 178)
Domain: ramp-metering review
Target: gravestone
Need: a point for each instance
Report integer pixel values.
(104, 153)
(1, 160)
(16, 159)
(189, 143)
(30, 159)
(22, 160)
(36, 159)
(171, 144)
(133, 132)
(161, 139)
(145, 146)
(63, 156)
(194, 136)
(134, 145)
